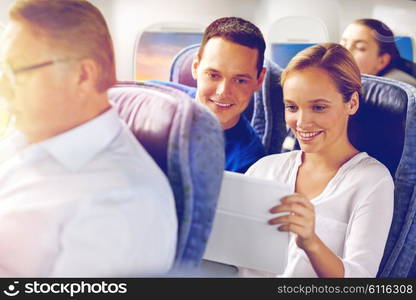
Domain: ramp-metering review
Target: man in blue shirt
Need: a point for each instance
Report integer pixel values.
(229, 69)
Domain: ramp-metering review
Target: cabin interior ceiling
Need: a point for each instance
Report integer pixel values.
(128, 18)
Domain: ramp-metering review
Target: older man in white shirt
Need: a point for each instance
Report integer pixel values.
(79, 195)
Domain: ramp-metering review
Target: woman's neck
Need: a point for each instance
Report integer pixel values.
(331, 159)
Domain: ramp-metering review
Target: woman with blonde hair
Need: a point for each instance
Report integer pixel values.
(341, 208)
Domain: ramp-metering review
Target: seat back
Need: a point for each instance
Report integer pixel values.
(180, 69)
(265, 111)
(385, 128)
(379, 126)
(405, 46)
(186, 141)
(282, 53)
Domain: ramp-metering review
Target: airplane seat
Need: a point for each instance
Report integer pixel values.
(379, 125)
(385, 128)
(405, 46)
(282, 53)
(266, 110)
(180, 70)
(186, 141)
(394, 134)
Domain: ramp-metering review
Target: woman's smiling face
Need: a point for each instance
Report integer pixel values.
(315, 110)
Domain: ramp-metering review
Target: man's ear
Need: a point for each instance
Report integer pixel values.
(260, 78)
(382, 61)
(195, 64)
(87, 75)
(353, 104)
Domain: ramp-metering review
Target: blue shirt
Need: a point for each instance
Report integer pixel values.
(243, 146)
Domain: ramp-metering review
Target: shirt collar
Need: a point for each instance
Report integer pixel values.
(76, 147)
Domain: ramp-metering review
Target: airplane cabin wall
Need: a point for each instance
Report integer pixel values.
(4, 5)
(399, 15)
(131, 17)
(128, 18)
(272, 10)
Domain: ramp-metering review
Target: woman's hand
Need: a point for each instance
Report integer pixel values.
(299, 220)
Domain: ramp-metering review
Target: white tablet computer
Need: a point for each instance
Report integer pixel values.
(241, 235)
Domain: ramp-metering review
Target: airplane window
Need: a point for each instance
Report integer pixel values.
(156, 50)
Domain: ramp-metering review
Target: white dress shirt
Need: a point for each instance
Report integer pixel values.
(88, 202)
(353, 213)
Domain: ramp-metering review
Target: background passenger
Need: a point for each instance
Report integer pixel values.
(373, 46)
(339, 192)
(229, 69)
(78, 194)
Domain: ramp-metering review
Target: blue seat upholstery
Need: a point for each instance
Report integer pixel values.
(180, 70)
(266, 110)
(282, 53)
(186, 141)
(386, 129)
(405, 46)
(379, 126)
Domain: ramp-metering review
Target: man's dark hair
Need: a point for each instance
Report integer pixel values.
(239, 31)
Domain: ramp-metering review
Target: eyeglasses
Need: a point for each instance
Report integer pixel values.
(8, 81)
(10, 73)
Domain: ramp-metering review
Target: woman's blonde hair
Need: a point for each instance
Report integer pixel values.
(335, 60)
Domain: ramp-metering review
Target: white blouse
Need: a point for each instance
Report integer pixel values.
(353, 213)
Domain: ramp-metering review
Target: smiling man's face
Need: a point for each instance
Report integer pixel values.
(226, 75)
